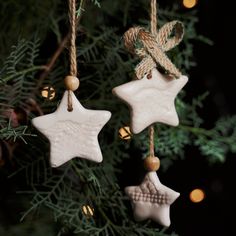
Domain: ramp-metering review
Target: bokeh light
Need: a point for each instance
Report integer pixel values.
(125, 133)
(189, 3)
(88, 210)
(48, 92)
(197, 195)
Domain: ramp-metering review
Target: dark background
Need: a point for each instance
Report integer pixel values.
(215, 214)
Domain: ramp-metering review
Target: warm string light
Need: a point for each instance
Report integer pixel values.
(48, 92)
(189, 3)
(88, 210)
(125, 133)
(197, 195)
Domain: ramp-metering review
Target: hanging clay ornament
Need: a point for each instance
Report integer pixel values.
(72, 129)
(72, 134)
(152, 200)
(151, 99)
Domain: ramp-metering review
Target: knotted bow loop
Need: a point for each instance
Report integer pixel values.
(131, 37)
(152, 48)
(164, 38)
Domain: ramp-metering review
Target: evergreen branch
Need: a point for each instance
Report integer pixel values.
(22, 72)
(42, 197)
(96, 3)
(26, 167)
(15, 133)
(105, 64)
(80, 9)
(197, 130)
(216, 142)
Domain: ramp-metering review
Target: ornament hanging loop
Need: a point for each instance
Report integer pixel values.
(154, 44)
(72, 47)
(71, 81)
(153, 48)
(153, 17)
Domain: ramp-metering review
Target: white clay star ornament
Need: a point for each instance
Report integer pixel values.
(151, 99)
(152, 200)
(72, 134)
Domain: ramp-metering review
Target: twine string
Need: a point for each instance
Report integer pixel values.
(153, 19)
(72, 47)
(151, 141)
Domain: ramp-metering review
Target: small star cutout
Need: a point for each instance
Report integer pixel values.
(151, 99)
(72, 134)
(152, 200)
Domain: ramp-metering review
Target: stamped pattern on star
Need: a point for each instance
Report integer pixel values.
(152, 199)
(72, 134)
(151, 100)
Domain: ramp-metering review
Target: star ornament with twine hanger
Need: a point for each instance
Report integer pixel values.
(72, 129)
(151, 97)
(152, 200)
(72, 134)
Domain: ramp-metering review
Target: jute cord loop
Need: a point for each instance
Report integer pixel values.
(151, 47)
(72, 47)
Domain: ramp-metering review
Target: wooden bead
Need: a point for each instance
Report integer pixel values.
(71, 82)
(152, 163)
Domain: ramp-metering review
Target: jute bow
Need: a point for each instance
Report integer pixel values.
(153, 47)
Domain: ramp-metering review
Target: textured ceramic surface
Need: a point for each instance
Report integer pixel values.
(151, 100)
(152, 200)
(72, 134)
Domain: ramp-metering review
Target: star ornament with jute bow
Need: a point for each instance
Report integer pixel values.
(151, 100)
(151, 97)
(152, 200)
(72, 134)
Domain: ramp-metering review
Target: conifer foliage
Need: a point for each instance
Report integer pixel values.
(85, 198)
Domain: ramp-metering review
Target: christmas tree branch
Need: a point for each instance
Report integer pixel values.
(14, 133)
(197, 130)
(22, 72)
(106, 64)
(41, 197)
